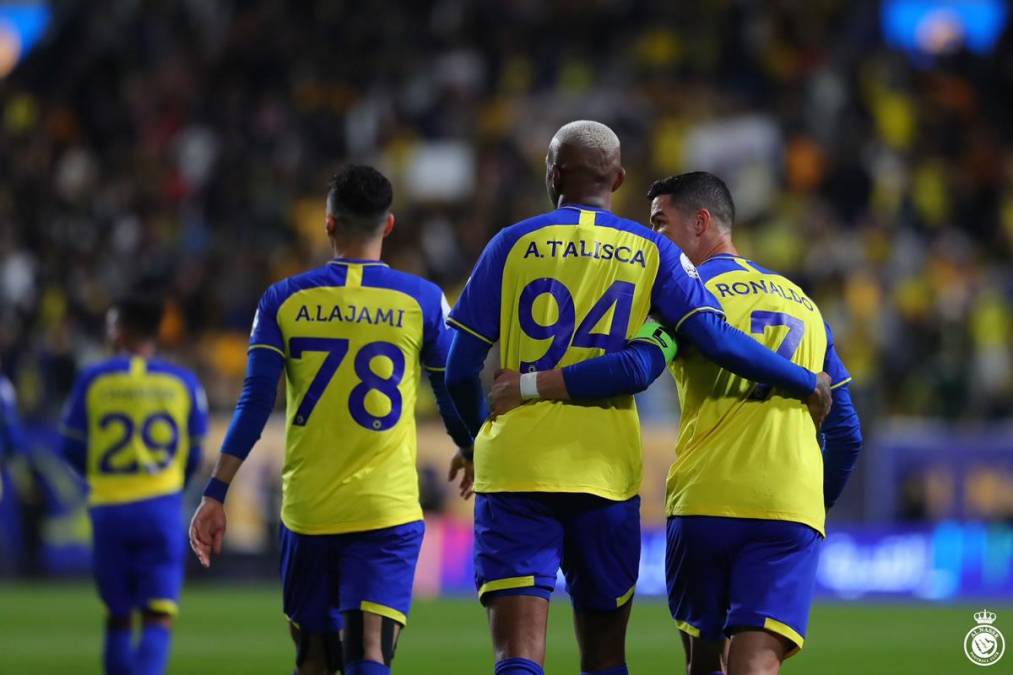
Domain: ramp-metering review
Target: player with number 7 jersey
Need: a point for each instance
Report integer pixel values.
(353, 338)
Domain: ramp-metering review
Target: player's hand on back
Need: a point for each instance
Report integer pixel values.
(820, 400)
(207, 529)
(505, 394)
(460, 464)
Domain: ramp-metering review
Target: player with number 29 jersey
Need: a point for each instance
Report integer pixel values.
(555, 290)
(354, 335)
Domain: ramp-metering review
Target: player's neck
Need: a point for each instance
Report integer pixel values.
(145, 349)
(358, 250)
(596, 201)
(723, 246)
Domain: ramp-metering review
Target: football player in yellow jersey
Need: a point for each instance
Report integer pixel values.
(557, 483)
(749, 489)
(133, 427)
(352, 338)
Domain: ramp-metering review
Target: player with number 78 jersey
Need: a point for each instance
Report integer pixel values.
(352, 338)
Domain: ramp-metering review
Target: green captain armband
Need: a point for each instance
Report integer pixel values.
(658, 335)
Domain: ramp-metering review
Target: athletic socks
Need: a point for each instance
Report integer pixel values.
(365, 668)
(621, 670)
(116, 657)
(152, 655)
(518, 667)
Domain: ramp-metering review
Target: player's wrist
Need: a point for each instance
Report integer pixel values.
(467, 453)
(529, 387)
(216, 489)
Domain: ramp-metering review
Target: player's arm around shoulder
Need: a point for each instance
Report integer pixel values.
(621, 373)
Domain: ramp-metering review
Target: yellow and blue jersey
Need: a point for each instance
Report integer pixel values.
(745, 451)
(138, 420)
(559, 289)
(355, 336)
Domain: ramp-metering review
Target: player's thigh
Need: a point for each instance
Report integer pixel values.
(157, 563)
(601, 551)
(309, 581)
(111, 562)
(518, 545)
(377, 570)
(773, 577)
(697, 573)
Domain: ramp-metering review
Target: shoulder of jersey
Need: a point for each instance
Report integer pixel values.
(162, 365)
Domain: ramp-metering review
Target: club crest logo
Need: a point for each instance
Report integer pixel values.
(984, 644)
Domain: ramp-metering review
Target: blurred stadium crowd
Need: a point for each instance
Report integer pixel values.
(189, 144)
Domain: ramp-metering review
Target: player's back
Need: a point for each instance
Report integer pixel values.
(138, 418)
(575, 283)
(744, 450)
(353, 335)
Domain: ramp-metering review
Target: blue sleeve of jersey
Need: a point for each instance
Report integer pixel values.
(832, 364)
(266, 333)
(435, 348)
(263, 368)
(678, 291)
(627, 371)
(198, 428)
(841, 433)
(477, 310)
(464, 365)
(735, 351)
(842, 442)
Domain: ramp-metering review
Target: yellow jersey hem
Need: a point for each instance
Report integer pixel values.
(348, 528)
(566, 489)
(764, 515)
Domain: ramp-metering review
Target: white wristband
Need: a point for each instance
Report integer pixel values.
(529, 386)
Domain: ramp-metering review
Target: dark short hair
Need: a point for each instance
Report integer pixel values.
(359, 198)
(697, 190)
(140, 313)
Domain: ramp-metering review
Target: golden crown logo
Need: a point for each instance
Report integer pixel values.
(985, 617)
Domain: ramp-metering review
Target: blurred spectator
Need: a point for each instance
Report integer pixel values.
(190, 142)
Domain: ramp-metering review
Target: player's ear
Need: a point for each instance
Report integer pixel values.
(389, 225)
(620, 178)
(330, 225)
(703, 221)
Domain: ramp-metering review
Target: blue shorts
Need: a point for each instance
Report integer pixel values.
(138, 554)
(323, 575)
(726, 574)
(522, 539)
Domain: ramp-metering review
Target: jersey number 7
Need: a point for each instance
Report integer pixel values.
(759, 321)
(336, 350)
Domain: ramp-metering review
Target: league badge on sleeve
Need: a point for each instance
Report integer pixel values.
(984, 644)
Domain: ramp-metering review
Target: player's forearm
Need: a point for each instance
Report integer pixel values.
(842, 433)
(464, 386)
(628, 371)
(456, 428)
(735, 351)
(193, 461)
(256, 402)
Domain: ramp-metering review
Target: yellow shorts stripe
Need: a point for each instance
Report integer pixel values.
(625, 597)
(695, 311)
(784, 630)
(383, 610)
(458, 324)
(506, 584)
(841, 383)
(687, 629)
(271, 347)
(163, 605)
(433, 369)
